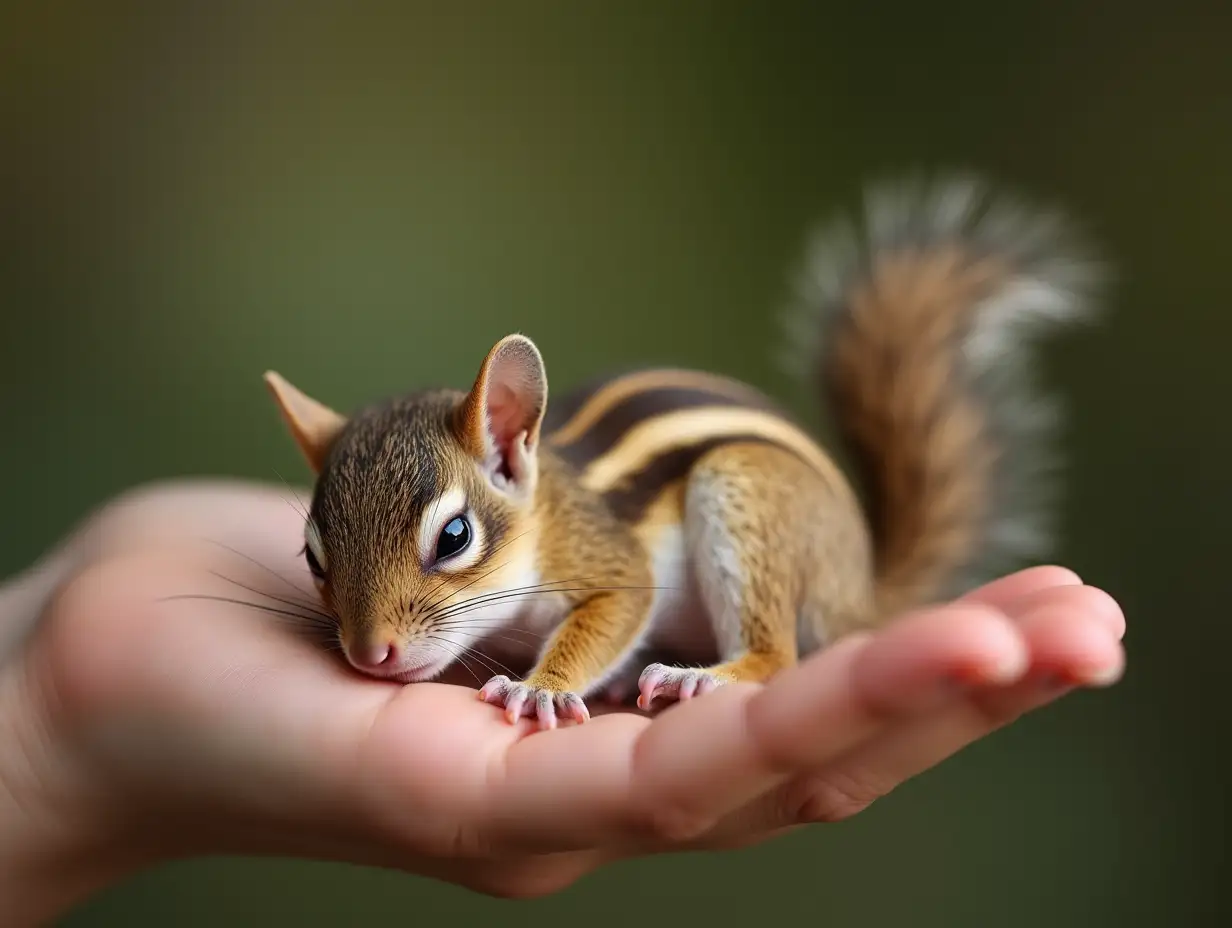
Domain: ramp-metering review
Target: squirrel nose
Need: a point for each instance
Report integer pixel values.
(374, 654)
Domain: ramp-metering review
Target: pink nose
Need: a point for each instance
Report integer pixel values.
(374, 655)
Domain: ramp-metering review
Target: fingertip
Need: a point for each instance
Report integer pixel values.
(996, 664)
(1105, 676)
(1082, 601)
(1104, 604)
(1066, 641)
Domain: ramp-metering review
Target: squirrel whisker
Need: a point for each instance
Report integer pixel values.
(252, 560)
(286, 602)
(488, 662)
(537, 590)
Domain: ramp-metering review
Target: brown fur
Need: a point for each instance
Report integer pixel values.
(922, 440)
(802, 554)
(383, 473)
(583, 544)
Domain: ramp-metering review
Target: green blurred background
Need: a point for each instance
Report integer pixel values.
(365, 199)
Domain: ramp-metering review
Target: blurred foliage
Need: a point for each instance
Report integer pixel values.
(366, 199)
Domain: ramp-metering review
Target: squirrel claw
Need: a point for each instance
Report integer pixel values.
(674, 683)
(545, 705)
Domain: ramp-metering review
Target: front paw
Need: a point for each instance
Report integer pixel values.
(542, 703)
(676, 684)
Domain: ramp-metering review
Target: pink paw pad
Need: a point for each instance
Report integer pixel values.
(544, 705)
(674, 683)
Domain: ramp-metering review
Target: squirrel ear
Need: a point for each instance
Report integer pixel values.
(313, 426)
(499, 420)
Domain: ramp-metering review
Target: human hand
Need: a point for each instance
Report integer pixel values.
(151, 728)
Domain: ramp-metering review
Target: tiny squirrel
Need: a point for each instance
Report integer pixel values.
(681, 512)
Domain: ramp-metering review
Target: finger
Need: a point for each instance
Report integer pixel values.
(694, 764)
(1073, 637)
(1070, 647)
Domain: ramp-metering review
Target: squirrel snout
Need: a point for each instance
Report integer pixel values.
(373, 655)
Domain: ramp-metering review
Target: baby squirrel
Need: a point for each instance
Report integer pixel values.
(682, 512)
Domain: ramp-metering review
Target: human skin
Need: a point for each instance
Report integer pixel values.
(137, 729)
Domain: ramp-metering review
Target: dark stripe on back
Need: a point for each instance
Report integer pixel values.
(607, 431)
(630, 499)
(562, 408)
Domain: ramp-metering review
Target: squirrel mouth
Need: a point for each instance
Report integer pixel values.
(419, 673)
(402, 664)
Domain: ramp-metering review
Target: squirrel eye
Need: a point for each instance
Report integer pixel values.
(314, 566)
(454, 538)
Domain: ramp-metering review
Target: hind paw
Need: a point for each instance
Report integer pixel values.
(675, 684)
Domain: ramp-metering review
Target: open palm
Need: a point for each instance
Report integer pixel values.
(206, 725)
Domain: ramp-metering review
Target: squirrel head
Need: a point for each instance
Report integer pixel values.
(423, 511)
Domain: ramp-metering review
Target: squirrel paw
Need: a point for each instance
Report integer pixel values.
(674, 683)
(540, 703)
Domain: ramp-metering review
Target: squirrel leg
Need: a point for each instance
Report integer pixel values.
(759, 523)
(590, 641)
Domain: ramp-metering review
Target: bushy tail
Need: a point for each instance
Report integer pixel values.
(915, 325)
